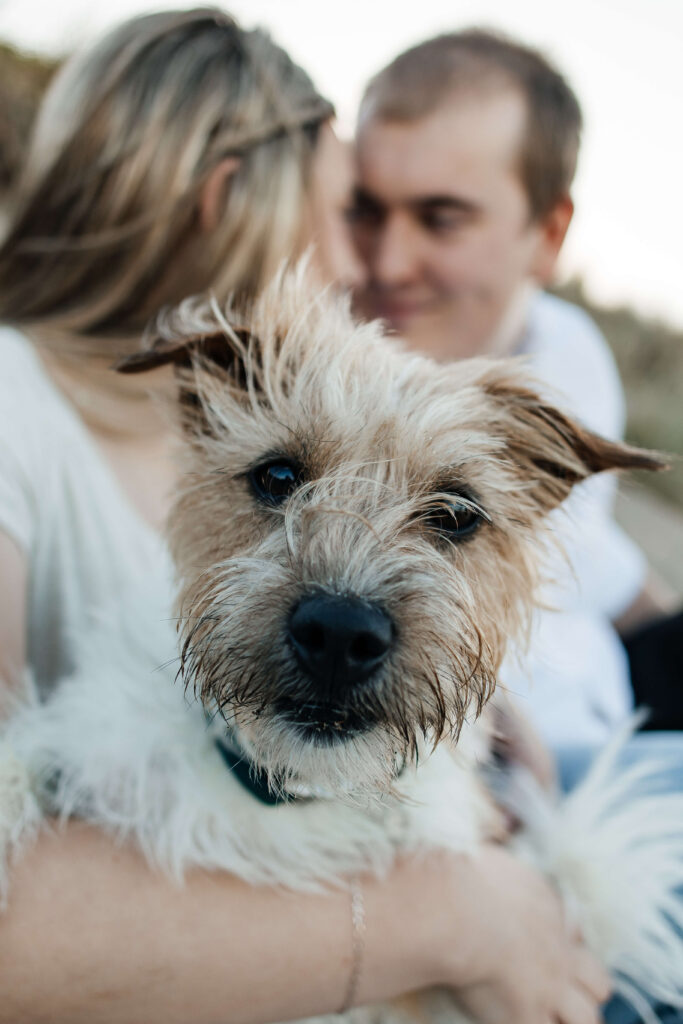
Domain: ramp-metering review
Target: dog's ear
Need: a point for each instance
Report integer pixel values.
(207, 357)
(212, 347)
(551, 450)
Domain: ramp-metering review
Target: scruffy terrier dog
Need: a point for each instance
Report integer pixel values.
(357, 536)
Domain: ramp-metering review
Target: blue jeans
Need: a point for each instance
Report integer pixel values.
(573, 765)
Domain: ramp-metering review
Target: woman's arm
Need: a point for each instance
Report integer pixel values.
(93, 936)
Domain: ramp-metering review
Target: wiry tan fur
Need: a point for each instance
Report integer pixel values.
(383, 437)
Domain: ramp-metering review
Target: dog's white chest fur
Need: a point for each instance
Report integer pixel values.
(120, 743)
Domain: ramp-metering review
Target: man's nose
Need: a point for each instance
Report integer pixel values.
(394, 258)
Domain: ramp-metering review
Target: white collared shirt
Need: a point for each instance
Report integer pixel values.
(574, 682)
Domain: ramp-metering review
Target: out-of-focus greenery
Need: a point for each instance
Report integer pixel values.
(649, 355)
(23, 80)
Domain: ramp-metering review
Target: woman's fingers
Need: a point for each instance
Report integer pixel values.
(592, 976)
(577, 1007)
(590, 987)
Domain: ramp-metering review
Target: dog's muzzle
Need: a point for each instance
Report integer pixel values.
(339, 643)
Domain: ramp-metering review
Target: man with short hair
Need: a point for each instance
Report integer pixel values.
(467, 147)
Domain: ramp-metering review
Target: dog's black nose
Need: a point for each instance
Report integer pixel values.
(339, 641)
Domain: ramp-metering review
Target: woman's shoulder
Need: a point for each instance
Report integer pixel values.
(34, 432)
(32, 411)
(18, 355)
(24, 443)
(23, 383)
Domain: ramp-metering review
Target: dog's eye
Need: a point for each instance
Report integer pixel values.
(454, 519)
(273, 482)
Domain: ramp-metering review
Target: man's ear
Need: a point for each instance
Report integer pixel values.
(552, 451)
(553, 229)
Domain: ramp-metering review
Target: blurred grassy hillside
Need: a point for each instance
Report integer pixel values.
(649, 355)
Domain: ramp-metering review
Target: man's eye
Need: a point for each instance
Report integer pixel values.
(273, 482)
(454, 519)
(442, 221)
(363, 213)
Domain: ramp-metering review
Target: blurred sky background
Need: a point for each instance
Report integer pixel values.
(622, 56)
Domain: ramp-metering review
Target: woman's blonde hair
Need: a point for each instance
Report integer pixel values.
(107, 223)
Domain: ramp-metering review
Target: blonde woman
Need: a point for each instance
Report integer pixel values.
(182, 154)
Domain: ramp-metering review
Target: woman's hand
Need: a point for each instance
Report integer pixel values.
(521, 965)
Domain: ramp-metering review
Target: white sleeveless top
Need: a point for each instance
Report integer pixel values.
(61, 503)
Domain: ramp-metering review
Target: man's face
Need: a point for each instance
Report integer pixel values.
(443, 224)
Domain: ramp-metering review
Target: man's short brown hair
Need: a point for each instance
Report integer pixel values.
(419, 80)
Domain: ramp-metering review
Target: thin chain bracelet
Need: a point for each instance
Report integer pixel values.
(357, 944)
